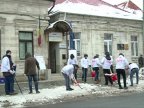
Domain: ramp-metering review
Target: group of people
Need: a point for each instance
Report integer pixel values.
(8, 68)
(69, 71)
(122, 65)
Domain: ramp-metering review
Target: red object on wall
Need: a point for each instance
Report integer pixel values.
(39, 40)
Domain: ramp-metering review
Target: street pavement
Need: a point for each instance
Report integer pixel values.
(54, 92)
(123, 101)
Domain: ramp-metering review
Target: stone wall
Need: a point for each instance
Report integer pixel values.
(22, 15)
(92, 30)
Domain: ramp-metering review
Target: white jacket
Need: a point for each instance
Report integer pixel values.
(72, 61)
(68, 70)
(121, 62)
(133, 65)
(96, 62)
(5, 65)
(85, 63)
(106, 64)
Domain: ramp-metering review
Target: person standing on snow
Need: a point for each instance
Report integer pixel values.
(85, 63)
(106, 64)
(8, 73)
(72, 61)
(95, 65)
(141, 61)
(67, 72)
(121, 65)
(30, 71)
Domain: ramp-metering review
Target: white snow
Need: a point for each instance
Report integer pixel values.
(59, 92)
(100, 10)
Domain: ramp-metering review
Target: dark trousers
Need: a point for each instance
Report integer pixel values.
(75, 74)
(9, 84)
(67, 81)
(119, 73)
(84, 74)
(112, 69)
(34, 78)
(96, 69)
(107, 78)
(134, 71)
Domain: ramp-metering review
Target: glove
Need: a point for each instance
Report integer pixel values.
(12, 72)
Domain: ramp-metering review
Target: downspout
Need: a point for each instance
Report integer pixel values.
(47, 34)
(51, 7)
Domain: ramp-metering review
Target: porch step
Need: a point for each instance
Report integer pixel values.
(56, 77)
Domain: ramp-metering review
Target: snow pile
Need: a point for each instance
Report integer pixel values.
(59, 93)
(100, 10)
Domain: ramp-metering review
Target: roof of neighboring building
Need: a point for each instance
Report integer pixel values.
(126, 10)
(128, 4)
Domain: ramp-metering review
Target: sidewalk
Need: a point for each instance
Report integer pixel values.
(54, 91)
(42, 84)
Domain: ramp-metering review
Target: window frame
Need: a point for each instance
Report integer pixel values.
(76, 43)
(25, 43)
(108, 42)
(134, 47)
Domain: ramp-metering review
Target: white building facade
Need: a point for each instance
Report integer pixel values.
(96, 35)
(93, 34)
(19, 26)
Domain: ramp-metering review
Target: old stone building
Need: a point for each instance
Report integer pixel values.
(93, 33)
(98, 30)
(96, 35)
(19, 26)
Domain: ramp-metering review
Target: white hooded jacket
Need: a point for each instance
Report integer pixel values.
(121, 62)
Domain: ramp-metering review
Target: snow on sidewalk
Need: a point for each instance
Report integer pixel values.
(59, 93)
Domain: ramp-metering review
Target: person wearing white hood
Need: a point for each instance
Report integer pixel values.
(106, 64)
(121, 65)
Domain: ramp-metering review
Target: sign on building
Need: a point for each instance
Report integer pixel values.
(55, 36)
(74, 52)
(41, 62)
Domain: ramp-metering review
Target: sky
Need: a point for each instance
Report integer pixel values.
(59, 92)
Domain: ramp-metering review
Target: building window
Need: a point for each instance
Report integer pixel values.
(0, 44)
(25, 44)
(77, 43)
(134, 46)
(108, 42)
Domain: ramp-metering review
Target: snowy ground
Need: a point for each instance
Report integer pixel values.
(51, 95)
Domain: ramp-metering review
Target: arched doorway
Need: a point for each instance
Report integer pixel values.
(58, 34)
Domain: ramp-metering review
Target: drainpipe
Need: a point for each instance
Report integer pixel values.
(52, 6)
(47, 34)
